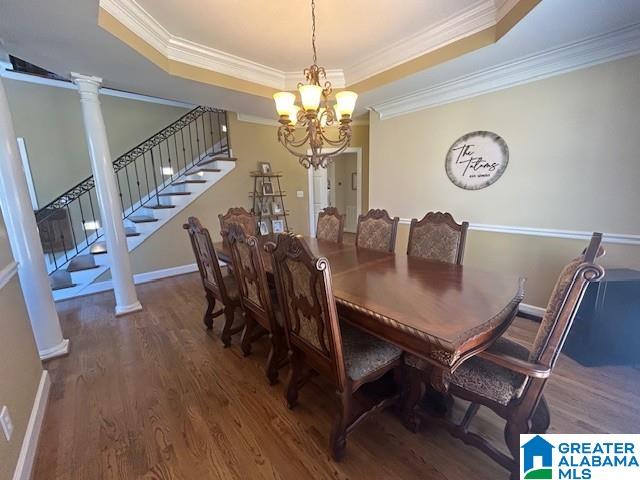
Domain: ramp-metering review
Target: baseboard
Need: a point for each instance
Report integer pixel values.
(32, 435)
(531, 311)
(140, 278)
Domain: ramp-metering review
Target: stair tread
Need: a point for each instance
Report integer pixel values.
(60, 279)
(131, 232)
(82, 262)
(217, 156)
(171, 194)
(159, 207)
(184, 182)
(98, 248)
(214, 170)
(142, 219)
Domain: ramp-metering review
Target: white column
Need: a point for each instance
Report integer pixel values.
(108, 197)
(25, 241)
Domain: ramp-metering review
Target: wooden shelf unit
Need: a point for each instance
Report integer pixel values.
(261, 200)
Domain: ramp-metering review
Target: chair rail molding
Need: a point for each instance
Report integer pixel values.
(617, 238)
(590, 51)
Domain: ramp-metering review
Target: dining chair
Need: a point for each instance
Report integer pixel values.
(262, 315)
(240, 216)
(217, 285)
(437, 237)
(330, 225)
(320, 343)
(377, 231)
(509, 378)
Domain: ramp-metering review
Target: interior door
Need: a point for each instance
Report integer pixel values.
(320, 194)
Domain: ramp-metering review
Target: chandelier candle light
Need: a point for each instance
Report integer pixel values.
(315, 115)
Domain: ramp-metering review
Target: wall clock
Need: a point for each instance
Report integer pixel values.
(476, 160)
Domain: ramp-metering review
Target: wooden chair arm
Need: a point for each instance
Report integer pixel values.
(524, 367)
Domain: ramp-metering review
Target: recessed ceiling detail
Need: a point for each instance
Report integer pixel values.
(258, 46)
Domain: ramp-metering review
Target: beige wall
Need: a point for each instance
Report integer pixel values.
(251, 143)
(574, 165)
(49, 118)
(20, 367)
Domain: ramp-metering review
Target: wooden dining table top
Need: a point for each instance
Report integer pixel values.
(415, 303)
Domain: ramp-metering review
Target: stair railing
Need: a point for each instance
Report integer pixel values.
(70, 224)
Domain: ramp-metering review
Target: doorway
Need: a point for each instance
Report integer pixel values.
(339, 185)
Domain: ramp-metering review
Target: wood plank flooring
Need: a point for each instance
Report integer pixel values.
(154, 396)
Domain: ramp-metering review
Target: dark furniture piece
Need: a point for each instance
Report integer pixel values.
(607, 327)
(508, 378)
(330, 225)
(439, 311)
(260, 311)
(377, 231)
(217, 286)
(318, 342)
(239, 216)
(437, 237)
(262, 201)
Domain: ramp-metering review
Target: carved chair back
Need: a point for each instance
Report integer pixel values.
(330, 225)
(240, 216)
(248, 267)
(311, 318)
(207, 259)
(561, 311)
(437, 237)
(377, 231)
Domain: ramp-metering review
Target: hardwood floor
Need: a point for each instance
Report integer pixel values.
(152, 395)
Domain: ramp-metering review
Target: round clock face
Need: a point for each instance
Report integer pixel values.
(476, 160)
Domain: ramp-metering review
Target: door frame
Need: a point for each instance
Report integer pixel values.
(312, 219)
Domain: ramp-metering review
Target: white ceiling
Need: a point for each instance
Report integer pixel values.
(63, 36)
(277, 33)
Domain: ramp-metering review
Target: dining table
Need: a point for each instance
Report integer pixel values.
(442, 312)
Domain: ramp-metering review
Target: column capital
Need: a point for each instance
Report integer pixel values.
(86, 83)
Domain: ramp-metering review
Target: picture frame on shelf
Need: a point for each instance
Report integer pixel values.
(277, 226)
(276, 208)
(264, 228)
(265, 209)
(264, 168)
(267, 188)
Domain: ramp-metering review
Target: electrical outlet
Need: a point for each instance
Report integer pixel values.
(300, 194)
(7, 424)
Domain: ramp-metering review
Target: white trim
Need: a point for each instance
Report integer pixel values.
(532, 310)
(29, 447)
(312, 219)
(582, 54)
(24, 156)
(141, 278)
(616, 238)
(59, 350)
(480, 15)
(475, 18)
(52, 82)
(7, 273)
(272, 122)
(126, 309)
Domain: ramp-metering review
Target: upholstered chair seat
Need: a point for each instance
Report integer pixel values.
(231, 284)
(492, 381)
(364, 353)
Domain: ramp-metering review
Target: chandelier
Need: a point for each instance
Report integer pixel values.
(311, 121)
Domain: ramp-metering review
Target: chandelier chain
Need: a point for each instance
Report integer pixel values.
(313, 31)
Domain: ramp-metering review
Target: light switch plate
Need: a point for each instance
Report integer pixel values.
(300, 194)
(7, 424)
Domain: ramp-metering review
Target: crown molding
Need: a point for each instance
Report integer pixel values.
(481, 15)
(582, 54)
(475, 18)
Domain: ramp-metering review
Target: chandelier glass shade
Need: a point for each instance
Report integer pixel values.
(304, 130)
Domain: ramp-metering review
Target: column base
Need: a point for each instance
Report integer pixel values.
(54, 352)
(124, 310)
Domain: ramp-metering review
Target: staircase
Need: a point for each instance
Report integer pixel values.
(156, 180)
